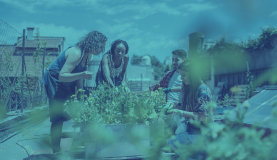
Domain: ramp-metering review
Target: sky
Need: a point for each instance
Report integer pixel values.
(155, 27)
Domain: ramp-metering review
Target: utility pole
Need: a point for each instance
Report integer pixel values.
(22, 67)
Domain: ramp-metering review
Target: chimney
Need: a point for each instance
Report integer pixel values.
(196, 41)
(30, 31)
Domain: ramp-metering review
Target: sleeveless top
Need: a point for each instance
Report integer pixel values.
(59, 62)
(114, 72)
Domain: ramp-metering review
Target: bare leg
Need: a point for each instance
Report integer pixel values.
(56, 134)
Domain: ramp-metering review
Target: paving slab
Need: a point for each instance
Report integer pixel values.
(33, 143)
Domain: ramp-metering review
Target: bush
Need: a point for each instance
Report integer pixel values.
(118, 106)
(231, 140)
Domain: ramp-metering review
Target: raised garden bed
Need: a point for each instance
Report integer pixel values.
(116, 123)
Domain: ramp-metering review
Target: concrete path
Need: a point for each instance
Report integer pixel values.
(33, 143)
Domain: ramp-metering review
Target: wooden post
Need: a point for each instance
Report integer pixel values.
(41, 93)
(22, 74)
(141, 81)
(15, 102)
(10, 106)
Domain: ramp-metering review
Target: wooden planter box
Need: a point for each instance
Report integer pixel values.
(122, 147)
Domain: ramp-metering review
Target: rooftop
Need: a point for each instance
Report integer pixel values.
(51, 43)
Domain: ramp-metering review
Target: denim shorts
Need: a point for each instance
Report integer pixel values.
(187, 137)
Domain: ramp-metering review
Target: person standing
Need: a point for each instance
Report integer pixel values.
(172, 85)
(113, 64)
(171, 81)
(66, 72)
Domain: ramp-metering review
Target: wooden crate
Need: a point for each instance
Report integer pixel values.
(240, 96)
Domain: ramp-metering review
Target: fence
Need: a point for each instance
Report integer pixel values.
(141, 85)
(239, 78)
(20, 84)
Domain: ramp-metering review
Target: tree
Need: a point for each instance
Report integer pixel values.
(168, 67)
(136, 60)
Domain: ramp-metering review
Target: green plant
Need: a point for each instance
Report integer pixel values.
(227, 55)
(168, 67)
(226, 101)
(115, 106)
(232, 140)
(10, 85)
(264, 40)
(233, 55)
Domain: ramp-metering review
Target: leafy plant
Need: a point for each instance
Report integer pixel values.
(12, 86)
(168, 67)
(264, 41)
(226, 101)
(231, 140)
(115, 106)
(227, 55)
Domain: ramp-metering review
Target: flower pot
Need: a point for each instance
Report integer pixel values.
(122, 145)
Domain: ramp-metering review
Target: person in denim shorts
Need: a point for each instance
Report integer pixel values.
(196, 94)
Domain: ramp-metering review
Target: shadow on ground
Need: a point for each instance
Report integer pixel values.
(39, 157)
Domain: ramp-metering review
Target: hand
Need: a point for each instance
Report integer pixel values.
(87, 75)
(166, 90)
(175, 111)
(170, 105)
(201, 116)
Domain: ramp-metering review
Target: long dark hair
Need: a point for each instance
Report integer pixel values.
(191, 89)
(91, 41)
(115, 43)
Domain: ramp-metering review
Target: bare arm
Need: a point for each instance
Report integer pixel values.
(71, 62)
(80, 82)
(176, 89)
(106, 71)
(126, 60)
(194, 115)
(199, 108)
